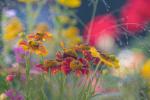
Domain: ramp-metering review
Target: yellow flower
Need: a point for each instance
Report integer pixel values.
(70, 3)
(145, 71)
(13, 28)
(3, 96)
(108, 60)
(27, 1)
(64, 19)
(71, 32)
(71, 35)
(41, 28)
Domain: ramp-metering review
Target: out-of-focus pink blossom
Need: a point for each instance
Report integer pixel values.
(14, 95)
(19, 54)
(10, 78)
(136, 15)
(100, 26)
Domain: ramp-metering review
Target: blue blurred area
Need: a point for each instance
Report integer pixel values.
(84, 12)
(103, 7)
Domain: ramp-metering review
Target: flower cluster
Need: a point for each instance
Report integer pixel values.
(34, 43)
(78, 60)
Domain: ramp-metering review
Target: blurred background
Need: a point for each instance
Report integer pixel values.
(116, 27)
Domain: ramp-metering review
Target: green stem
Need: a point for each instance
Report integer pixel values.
(31, 20)
(89, 87)
(95, 3)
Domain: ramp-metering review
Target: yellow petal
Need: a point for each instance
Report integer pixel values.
(70, 3)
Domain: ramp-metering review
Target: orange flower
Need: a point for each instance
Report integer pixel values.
(40, 36)
(34, 47)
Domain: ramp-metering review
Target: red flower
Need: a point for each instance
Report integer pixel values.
(102, 25)
(10, 78)
(65, 66)
(84, 62)
(51, 65)
(54, 70)
(87, 55)
(43, 68)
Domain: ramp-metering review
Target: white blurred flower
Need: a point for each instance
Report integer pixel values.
(126, 58)
(3, 96)
(9, 13)
(130, 62)
(106, 43)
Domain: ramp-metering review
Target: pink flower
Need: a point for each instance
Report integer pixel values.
(136, 15)
(102, 25)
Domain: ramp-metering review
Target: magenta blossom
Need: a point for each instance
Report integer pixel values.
(14, 95)
(19, 54)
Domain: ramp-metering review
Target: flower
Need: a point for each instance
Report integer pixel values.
(70, 3)
(41, 28)
(136, 15)
(108, 60)
(64, 19)
(34, 47)
(133, 21)
(19, 54)
(40, 36)
(51, 65)
(10, 78)
(75, 64)
(99, 27)
(65, 66)
(9, 13)
(70, 53)
(71, 34)
(78, 60)
(12, 29)
(14, 95)
(145, 71)
(3, 96)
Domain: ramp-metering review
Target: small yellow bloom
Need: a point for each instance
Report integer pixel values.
(145, 71)
(13, 28)
(70, 3)
(41, 28)
(71, 35)
(108, 60)
(3, 96)
(27, 1)
(94, 52)
(64, 19)
(71, 32)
